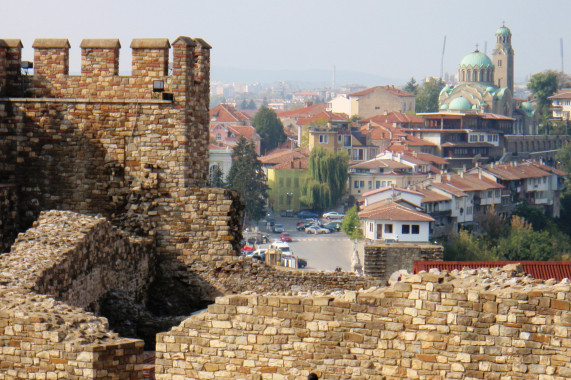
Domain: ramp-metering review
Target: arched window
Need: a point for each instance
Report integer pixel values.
(475, 76)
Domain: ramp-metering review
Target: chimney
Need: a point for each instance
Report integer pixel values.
(479, 174)
(462, 174)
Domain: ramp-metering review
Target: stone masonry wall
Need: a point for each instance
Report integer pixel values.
(382, 260)
(76, 259)
(486, 324)
(41, 338)
(100, 143)
(9, 216)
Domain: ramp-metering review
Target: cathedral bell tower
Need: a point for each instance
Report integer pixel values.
(503, 57)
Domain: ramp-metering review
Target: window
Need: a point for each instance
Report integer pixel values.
(218, 137)
(358, 184)
(489, 137)
(405, 229)
(346, 140)
(482, 137)
(469, 210)
(355, 184)
(371, 227)
(499, 63)
(370, 185)
(388, 228)
(288, 182)
(377, 107)
(296, 182)
(415, 229)
(377, 184)
(339, 138)
(323, 139)
(495, 137)
(473, 138)
(544, 179)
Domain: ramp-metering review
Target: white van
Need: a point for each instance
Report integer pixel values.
(282, 246)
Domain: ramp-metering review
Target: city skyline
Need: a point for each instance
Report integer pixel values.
(390, 40)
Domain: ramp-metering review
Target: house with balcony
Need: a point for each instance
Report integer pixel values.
(561, 104)
(537, 184)
(385, 170)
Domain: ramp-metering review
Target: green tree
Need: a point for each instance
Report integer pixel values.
(427, 95)
(464, 246)
(411, 86)
(216, 177)
(326, 180)
(247, 177)
(351, 225)
(523, 243)
(269, 127)
(563, 157)
(542, 86)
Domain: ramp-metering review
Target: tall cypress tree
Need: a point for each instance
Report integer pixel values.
(269, 127)
(247, 177)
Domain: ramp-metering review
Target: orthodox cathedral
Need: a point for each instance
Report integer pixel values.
(487, 86)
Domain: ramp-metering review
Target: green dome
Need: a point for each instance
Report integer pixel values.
(528, 108)
(503, 31)
(460, 103)
(476, 58)
(444, 106)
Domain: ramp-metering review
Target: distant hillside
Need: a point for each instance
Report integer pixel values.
(316, 78)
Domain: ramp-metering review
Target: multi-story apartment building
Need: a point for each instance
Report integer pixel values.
(561, 104)
(373, 101)
(342, 135)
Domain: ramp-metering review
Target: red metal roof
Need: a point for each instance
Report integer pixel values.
(543, 270)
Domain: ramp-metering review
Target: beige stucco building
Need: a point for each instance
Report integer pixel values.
(373, 101)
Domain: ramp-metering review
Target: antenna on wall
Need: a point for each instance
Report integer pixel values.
(442, 59)
(562, 60)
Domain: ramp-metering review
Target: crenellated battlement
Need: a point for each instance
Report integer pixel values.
(99, 78)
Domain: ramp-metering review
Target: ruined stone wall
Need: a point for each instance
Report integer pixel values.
(475, 324)
(41, 338)
(382, 260)
(66, 262)
(77, 259)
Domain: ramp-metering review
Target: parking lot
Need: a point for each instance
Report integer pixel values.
(322, 251)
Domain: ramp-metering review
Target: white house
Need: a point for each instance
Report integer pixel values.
(397, 221)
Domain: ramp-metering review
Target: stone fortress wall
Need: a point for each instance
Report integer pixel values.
(474, 324)
(100, 143)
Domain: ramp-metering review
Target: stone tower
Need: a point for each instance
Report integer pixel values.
(503, 57)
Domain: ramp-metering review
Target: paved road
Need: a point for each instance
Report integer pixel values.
(322, 252)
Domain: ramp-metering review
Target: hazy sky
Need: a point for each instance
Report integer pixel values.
(394, 39)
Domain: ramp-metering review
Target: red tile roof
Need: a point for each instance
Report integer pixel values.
(470, 182)
(543, 270)
(247, 131)
(449, 189)
(285, 158)
(395, 117)
(303, 112)
(516, 171)
(325, 115)
(399, 189)
(227, 113)
(433, 196)
(392, 89)
(564, 93)
(394, 211)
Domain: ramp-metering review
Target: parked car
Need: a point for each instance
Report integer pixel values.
(307, 214)
(333, 226)
(300, 226)
(283, 246)
(333, 215)
(301, 263)
(278, 228)
(316, 230)
(285, 237)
